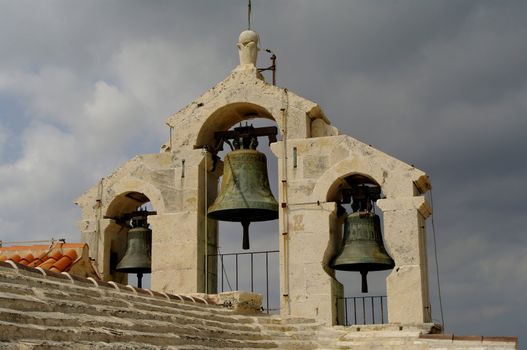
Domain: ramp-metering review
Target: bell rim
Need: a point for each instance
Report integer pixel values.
(265, 214)
(364, 266)
(133, 270)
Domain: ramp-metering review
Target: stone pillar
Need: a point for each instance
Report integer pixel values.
(307, 288)
(405, 238)
(103, 237)
(178, 238)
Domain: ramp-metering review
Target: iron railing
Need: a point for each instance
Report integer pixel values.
(252, 263)
(362, 310)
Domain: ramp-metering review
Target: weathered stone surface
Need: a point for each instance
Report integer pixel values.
(38, 312)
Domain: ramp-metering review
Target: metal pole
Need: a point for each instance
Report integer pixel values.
(346, 312)
(372, 311)
(267, 280)
(382, 311)
(221, 259)
(363, 310)
(252, 280)
(355, 309)
(236, 271)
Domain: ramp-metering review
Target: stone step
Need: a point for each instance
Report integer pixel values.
(287, 320)
(295, 327)
(111, 297)
(54, 319)
(11, 332)
(297, 344)
(131, 311)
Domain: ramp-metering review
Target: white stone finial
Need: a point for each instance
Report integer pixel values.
(248, 47)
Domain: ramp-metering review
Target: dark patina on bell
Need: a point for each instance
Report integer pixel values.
(245, 195)
(363, 249)
(137, 258)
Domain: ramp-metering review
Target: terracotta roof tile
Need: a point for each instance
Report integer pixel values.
(62, 264)
(71, 254)
(16, 258)
(55, 254)
(58, 257)
(39, 260)
(47, 264)
(27, 259)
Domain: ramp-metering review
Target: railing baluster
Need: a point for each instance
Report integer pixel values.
(240, 274)
(346, 311)
(372, 311)
(363, 310)
(252, 279)
(355, 309)
(267, 280)
(365, 313)
(382, 311)
(221, 271)
(237, 272)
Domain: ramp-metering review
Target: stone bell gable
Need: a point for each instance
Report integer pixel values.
(315, 165)
(159, 179)
(317, 169)
(244, 95)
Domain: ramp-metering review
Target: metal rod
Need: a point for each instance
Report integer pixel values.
(205, 211)
(363, 311)
(346, 311)
(267, 281)
(372, 310)
(63, 240)
(382, 311)
(221, 259)
(252, 280)
(236, 271)
(355, 309)
(247, 253)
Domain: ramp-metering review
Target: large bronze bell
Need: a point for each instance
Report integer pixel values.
(363, 248)
(137, 258)
(245, 195)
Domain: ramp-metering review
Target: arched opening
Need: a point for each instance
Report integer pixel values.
(255, 269)
(361, 250)
(123, 212)
(226, 117)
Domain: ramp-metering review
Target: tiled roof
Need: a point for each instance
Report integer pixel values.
(57, 257)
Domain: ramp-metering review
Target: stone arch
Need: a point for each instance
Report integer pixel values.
(132, 193)
(332, 180)
(344, 176)
(225, 117)
(130, 189)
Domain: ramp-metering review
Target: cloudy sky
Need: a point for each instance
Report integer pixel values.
(85, 85)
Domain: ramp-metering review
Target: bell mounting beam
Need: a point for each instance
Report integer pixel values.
(243, 132)
(128, 216)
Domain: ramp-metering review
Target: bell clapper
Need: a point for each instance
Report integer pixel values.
(139, 280)
(137, 258)
(362, 245)
(363, 274)
(245, 244)
(245, 194)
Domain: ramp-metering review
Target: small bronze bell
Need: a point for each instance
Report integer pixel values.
(245, 195)
(363, 249)
(137, 258)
